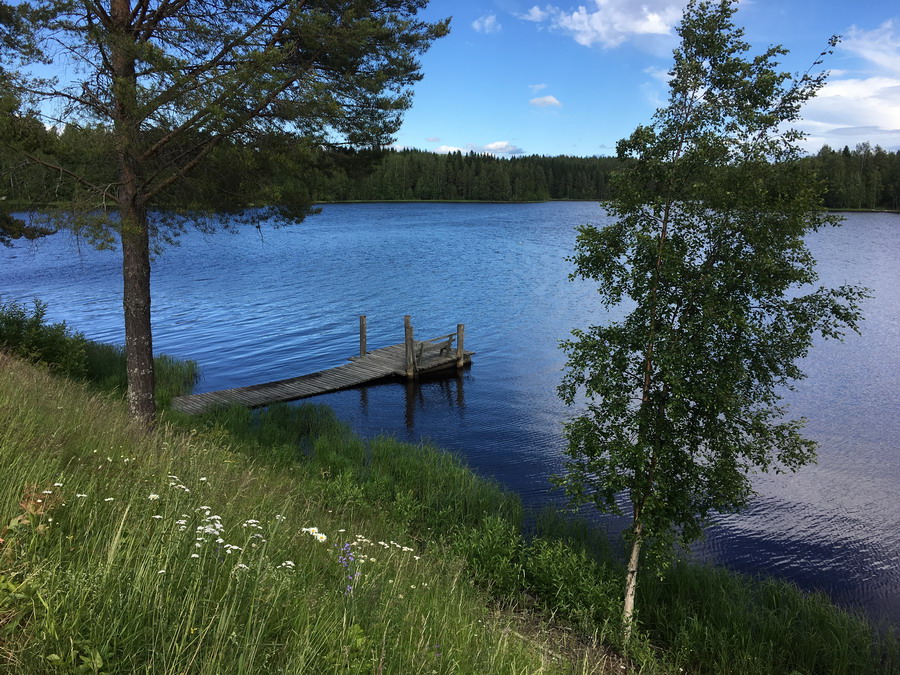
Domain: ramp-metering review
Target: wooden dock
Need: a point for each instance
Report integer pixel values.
(407, 360)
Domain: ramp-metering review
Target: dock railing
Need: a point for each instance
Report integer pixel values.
(415, 349)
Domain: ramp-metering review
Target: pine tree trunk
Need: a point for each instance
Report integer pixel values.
(631, 582)
(133, 216)
(136, 302)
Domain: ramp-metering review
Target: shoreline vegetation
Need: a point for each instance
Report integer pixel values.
(863, 178)
(278, 541)
(15, 206)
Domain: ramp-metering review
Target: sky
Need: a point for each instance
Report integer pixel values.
(515, 77)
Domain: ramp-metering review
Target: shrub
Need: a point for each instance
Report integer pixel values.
(25, 333)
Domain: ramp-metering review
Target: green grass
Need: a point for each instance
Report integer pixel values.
(442, 573)
(712, 620)
(120, 581)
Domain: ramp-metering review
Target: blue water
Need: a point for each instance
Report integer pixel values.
(264, 305)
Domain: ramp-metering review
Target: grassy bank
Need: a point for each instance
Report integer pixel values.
(171, 552)
(191, 549)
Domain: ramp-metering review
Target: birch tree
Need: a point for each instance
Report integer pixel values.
(706, 244)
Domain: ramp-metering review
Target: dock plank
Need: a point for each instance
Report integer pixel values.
(379, 364)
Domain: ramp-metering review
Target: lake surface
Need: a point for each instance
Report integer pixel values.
(263, 305)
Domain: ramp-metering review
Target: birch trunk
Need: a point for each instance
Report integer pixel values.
(631, 582)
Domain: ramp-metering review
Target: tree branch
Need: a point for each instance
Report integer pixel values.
(77, 177)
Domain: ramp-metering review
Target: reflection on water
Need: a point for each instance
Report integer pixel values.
(450, 391)
(253, 309)
(422, 395)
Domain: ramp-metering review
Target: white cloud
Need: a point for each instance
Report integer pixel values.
(611, 22)
(880, 46)
(502, 148)
(535, 14)
(433, 139)
(655, 90)
(487, 24)
(546, 102)
(865, 107)
(853, 110)
(447, 149)
(660, 74)
(494, 148)
(535, 88)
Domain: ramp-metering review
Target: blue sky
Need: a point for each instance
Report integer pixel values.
(515, 77)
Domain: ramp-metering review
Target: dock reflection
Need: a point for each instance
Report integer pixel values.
(424, 393)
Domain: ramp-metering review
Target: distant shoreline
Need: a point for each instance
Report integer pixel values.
(13, 206)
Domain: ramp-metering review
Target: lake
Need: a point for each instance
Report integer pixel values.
(261, 305)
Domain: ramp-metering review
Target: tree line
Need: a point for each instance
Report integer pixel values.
(272, 169)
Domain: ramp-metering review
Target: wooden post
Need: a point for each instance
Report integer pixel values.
(460, 356)
(410, 350)
(362, 336)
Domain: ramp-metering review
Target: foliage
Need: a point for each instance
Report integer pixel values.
(861, 178)
(106, 372)
(684, 394)
(264, 85)
(25, 333)
(494, 551)
(17, 131)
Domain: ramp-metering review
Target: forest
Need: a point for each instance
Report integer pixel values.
(273, 170)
